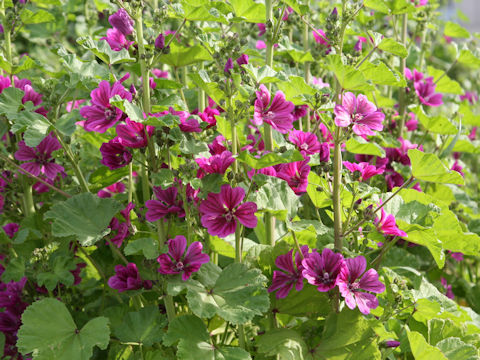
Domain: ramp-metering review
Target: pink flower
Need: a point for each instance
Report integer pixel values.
(160, 73)
(278, 114)
(365, 169)
(261, 28)
(218, 145)
(359, 43)
(116, 188)
(448, 288)
(127, 278)
(322, 270)
(458, 168)
(122, 22)
(260, 45)
(116, 40)
(470, 96)
(115, 155)
(216, 164)
(306, 142)
(424, 88)
(208, 115)
(283, 281)
(101, 115)
(176, 263)
(166, 204)
(40, 158)
(132, 134)
(319, 83)
(11, 229)
(220, 212)
(412, 123)
(295, 174)
(353, 278)
(122, 229)
(360, 112)
(457, 256)
(320, 37)
(387, 225)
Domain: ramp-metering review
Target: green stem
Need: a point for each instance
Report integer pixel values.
(170, 307)
(175, 71)
(306, 34)
(162, 237)
(71, 158)
(201, 93)
(187, 215)
(337, 202)
(402, 99)
(297, 244)
(130, 182)
(145, 182)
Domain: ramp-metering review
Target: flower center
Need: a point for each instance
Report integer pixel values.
(354, 286)
(304, 146)
(229, 216)
(179, 266)
(270, 115)
(110, 114)
(357, 117)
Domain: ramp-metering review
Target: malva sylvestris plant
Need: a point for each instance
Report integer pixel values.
(240, 179)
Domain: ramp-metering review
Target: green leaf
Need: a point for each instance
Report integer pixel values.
(394, 7)
(144, 326)
(190, 145)
(167, 84)
(264, 74)
(309, 302)
(285, 343)
(147, 246)
(26, 63)
(348, 77)
(320, 198)
(275, 197)
(182, 56)
(455, 30)
(428, 167)
(421, 349)
(186, 327)
(382, 75)
(378, 5)
(466, 57)
(49, 332)
(104, 52)
(439, 329)
(35, 126)
(66, 123)
(202, 80)
(295, 89)
(60, 266)
(444, 84)
(14, 271)
(455, 349)
(201, 11)
(237, 296)
(249, 11)
(132, 110)
(358, 145)
(438, 124)
(393, 47)
(270, 159)
(85, 216)
(103, 176)
(37, 17)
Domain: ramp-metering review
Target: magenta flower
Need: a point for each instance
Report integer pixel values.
(387, 225)
(176, 263)
(322, 270)
(283, 281)
(4, 83)
(160, 42)
(208, 116)
(189, 125)
(353, 279)
(166, 204)
(107, 192)
(457, 167)
(216, 164)
(121, 229)
(116, 40)
(228, 66)
(11, 229)
(365, 169)
(295, 174)
(218, 145)
(320, 37)
(470, 96)
(127, 278)
(101, 115)
(122, 22)
(114, 154)
(132, 134)
(424, 88)
(359, 43)
(324, 154)
(261, 28)
(319, 82)
(220, 212)
(306, 142)
(448, 288)
(278, 114)
(392, 343)
(242, 60)
(40, 158)
(360, 112)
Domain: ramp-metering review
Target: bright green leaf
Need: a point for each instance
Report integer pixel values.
(454, 30)
(270, 159)
(393, 47)
(428, 167)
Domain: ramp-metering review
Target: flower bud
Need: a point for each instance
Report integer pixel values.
(160, 42)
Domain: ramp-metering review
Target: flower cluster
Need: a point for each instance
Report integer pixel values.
(325, 271)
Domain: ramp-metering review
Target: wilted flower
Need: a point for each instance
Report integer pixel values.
(283, 281)
(40, 158)
(321, 270)
(127, 278)
(175, 262)
(360, 112)
(114, 154)
(353, 279)
(278, 114)
(220, 212)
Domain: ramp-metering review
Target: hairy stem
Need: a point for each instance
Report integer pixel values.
(402, 101)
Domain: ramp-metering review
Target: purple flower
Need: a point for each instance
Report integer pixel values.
(457, 167)
(166, 204)
(11, 229)
(218, 145)
(4, 83)
(320, 37)
(262, 29)
(295, 174)
(175, 262)
(101, 115)
(470, 96)
(306, 142)
(387, 225)
(392, 343)
(76, 273)
(122, 22)
(350, 282)
(283, 281)
(116, 40)
(360, 112)
(114, 154)
(208, 116)
(228, 66)
(189, 125)
(324, 153)
(359, 43)
(216, 164)
(220, 212)
(278, 114)
(322, 270)
(122, 229)
(457, 256)
(365, 169)
(132, 134)
(160, 42)
(40, 157)
(107, 192)
(242, 60)
(448, 288)
(424, 88)
(126, 278)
